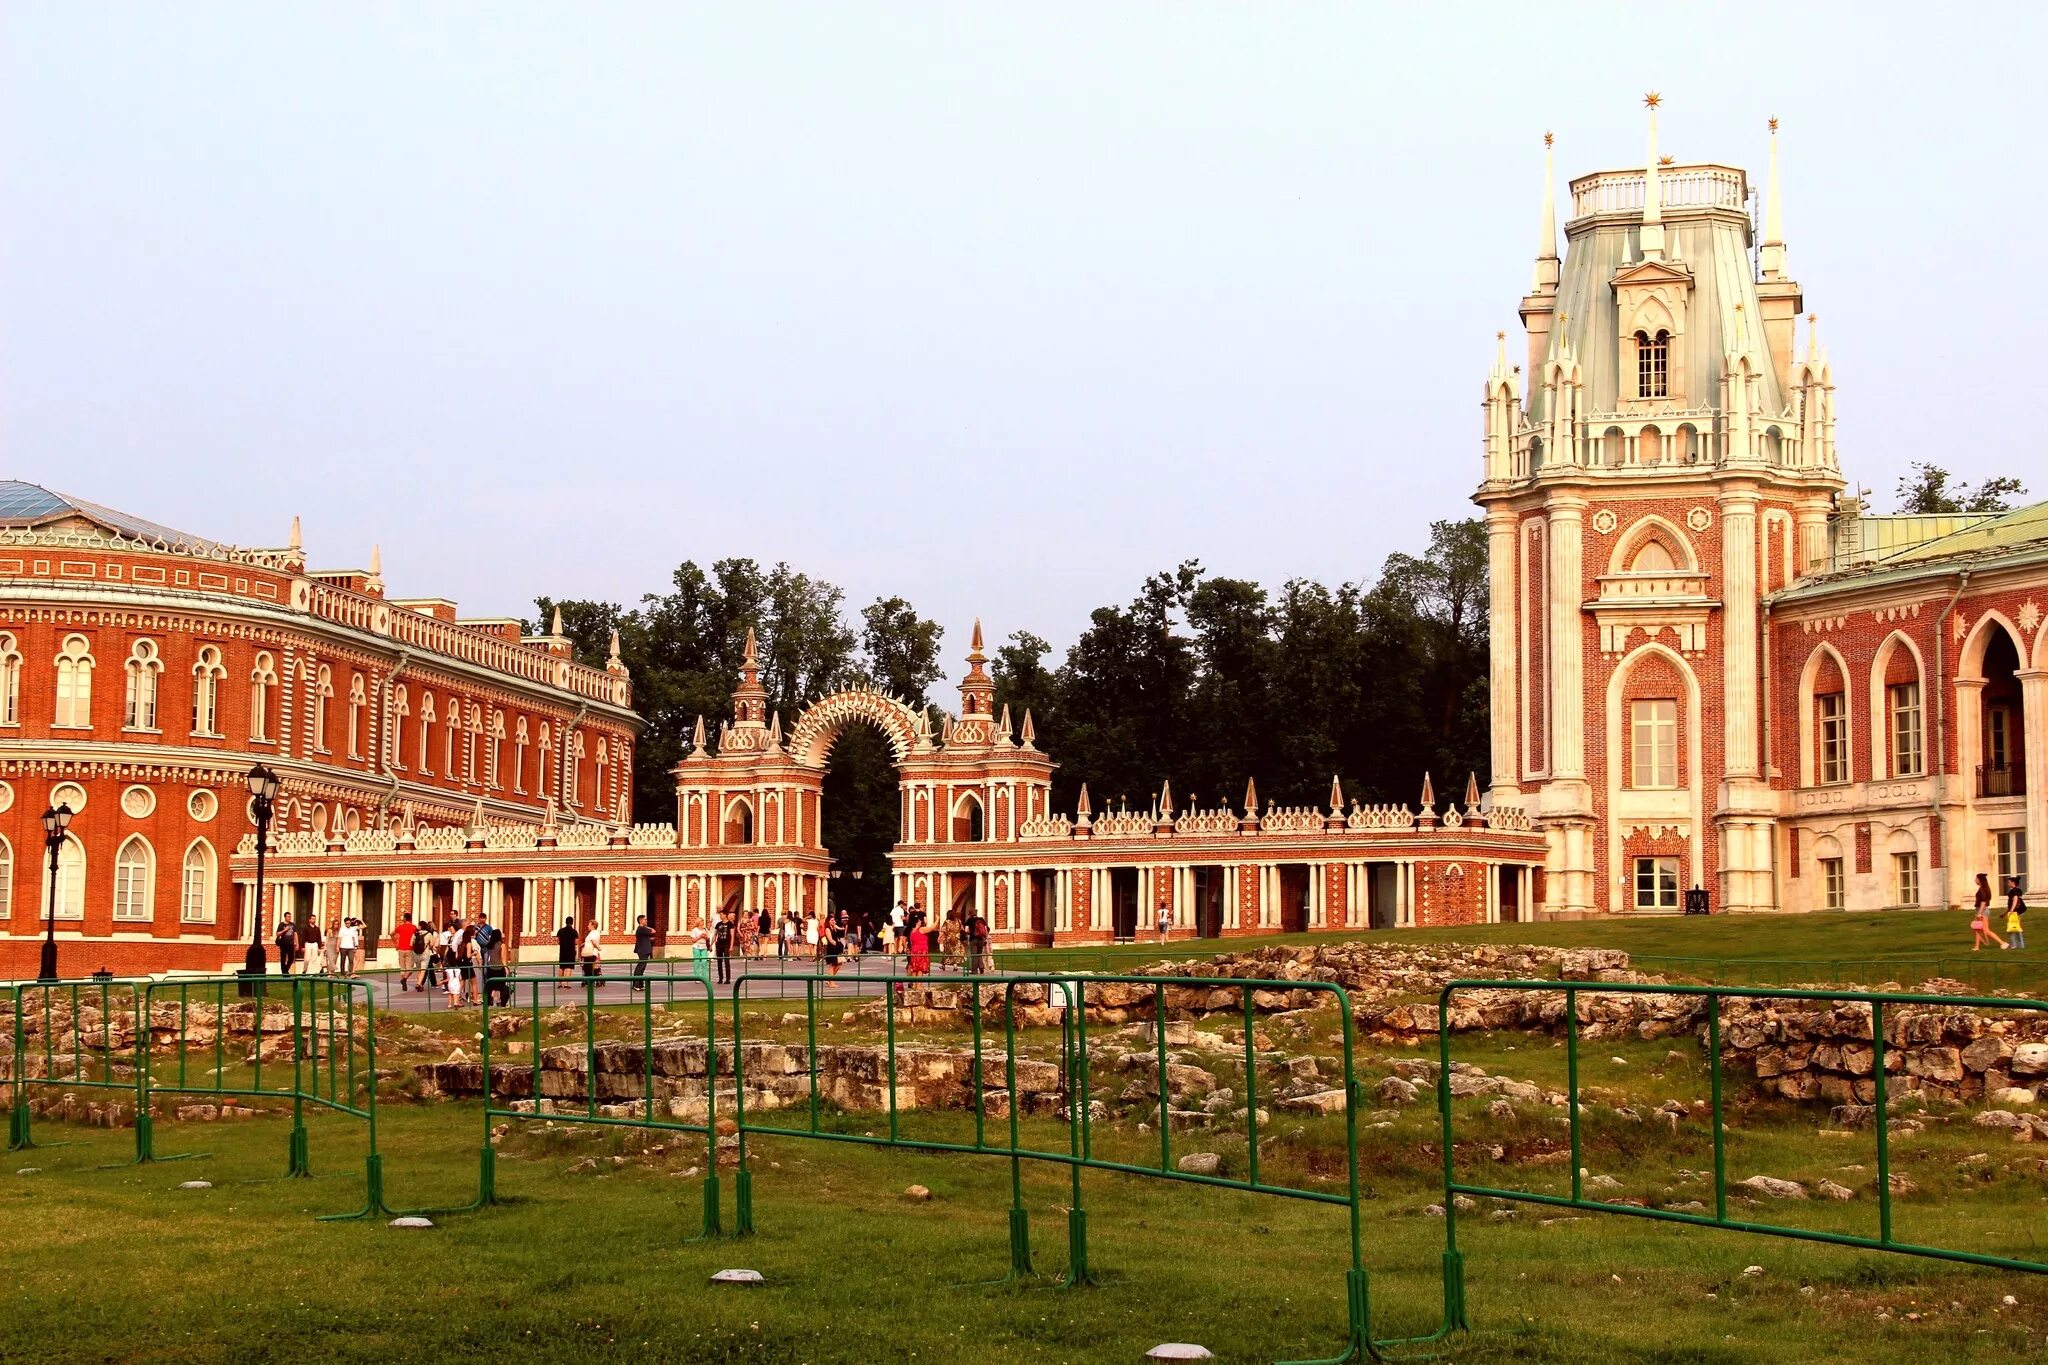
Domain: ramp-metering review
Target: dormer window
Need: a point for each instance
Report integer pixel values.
(1653, 365)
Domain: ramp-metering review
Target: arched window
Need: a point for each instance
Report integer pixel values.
(145, 667)
(262, 687)
(10, 682)
(74, 683)
(491, 774)
(574, 794)
(134, 878)
(547, 757)
(426, 730)
(604, 758)
(195, 900)
(399, 711)
(967, 819)
(1653, 557)
(519, 755)
(206, 675)
(451, 732)
(1653, 365)
(358, 697)
(739, 823)
(6, 878)
(323, 693)
(70, 896)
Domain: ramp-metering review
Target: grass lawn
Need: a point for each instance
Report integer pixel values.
(593, 1258)
(1750, 946)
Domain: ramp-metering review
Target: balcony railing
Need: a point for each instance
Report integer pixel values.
(2002, 779)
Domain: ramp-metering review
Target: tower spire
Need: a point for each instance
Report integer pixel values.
(1546, 241)
(1651, 237)
(1771, 255)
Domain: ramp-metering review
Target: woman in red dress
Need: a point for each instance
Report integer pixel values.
(920, 949)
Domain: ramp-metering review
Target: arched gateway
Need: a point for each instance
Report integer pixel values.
(976, 834)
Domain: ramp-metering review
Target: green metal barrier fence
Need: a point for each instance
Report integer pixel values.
(603, 1058)
(1983, 971)
(312, 1038)
(65, 1034)
(1072, 996)
(1877, 1002)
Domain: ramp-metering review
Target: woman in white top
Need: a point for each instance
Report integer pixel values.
(451, 972)
(593, 949)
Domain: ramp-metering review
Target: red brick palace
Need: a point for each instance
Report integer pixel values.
(439, 765)
(1709, 666)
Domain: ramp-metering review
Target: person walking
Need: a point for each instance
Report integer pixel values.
(402, 939)
(565, 953)
(1165, 920)
(472, 965)
(593, 950)
(287, 945)
(2015, 915)
(978, 963)
(313, 944)
(764, 929)
(897, 918)
(785, 934)
(700, 957)
(920, 947)
(452, 967)
(643, 949)
(721, 938)
(834, 943)
(351, 943)
(489, 943)
(1981, 931)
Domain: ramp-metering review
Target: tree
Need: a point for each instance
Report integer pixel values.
(1931, 489)
(900, 649)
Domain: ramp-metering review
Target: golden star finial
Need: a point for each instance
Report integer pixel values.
(1500, 336)
(1563, 318)
(1812, 318)
(1666, 160)
(1774, 123)
(1738, 307)
(1652, 100)
(1548, 139)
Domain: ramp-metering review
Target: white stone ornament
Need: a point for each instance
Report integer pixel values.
(1604, 521)
(1699, 518)
(2029, 616)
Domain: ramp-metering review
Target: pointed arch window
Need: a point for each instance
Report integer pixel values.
(358, 698)
(323, 693)
(10, 681)
(134, 877)
(573, 795)
(451, 735)
(74, 683)
(426, 731)
(497, 732)
(145, 671)
(195, 899)
(604, 758)
(1653, 364)
(6, 878)
(519, 755)
(262, 687)
(207, 671)
(547, 756)
(70, 890)
(399, 711)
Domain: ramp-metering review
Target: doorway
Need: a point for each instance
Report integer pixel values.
(371, 898)
(1294, 898)
(1209, 884)
(1123, 903)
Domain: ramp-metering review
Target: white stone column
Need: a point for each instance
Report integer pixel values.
(2034, 711)
(1567, 639)
(1504, 691)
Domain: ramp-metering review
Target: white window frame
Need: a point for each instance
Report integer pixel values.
(196, 884)
(1902, 706)
(262, 687)
(134, 881)
(1655, 882)
(1653, 744)
(74, 684)
(1906, 878)
(1831, 735)
(207, 672)
(1834, 884)
(144, 684)
(10, 681)
(71, 873)
(2009, 855)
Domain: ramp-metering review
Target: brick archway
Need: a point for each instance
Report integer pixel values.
(822, 722)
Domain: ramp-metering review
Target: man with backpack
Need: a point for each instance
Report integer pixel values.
(489, 945)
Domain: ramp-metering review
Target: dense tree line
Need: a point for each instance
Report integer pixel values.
(1200, 680)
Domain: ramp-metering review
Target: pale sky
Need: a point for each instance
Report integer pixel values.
(999, 307)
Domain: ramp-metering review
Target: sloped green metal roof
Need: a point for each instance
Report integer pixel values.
(30, 504)
(2006, 532)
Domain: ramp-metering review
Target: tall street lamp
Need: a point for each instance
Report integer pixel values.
(263, 785)
(55, 821)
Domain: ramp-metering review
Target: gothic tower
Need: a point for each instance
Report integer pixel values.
(1665, 461)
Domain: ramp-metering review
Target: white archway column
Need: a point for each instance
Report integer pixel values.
(2034, 720)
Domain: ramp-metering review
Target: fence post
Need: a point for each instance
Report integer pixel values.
(301, 1165)
(1020, 1220)
(1078, 1141)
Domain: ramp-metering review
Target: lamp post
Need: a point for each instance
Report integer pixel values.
(263, 785)
(55, 821)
